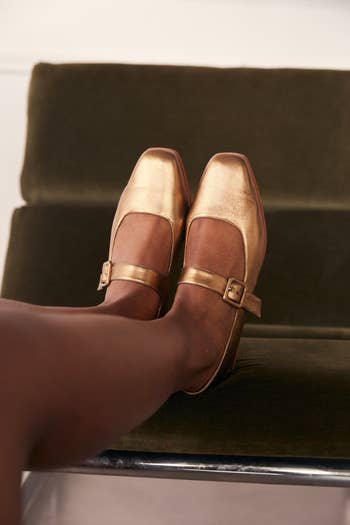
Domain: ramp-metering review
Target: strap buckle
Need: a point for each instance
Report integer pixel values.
(234, 292)
(106, 273)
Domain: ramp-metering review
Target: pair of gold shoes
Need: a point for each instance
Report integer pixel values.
(227, 192)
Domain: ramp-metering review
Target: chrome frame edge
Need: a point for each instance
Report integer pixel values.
(243, 469)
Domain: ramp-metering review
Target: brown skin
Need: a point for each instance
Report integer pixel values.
(65, 371)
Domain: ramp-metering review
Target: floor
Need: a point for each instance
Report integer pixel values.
(67, 499)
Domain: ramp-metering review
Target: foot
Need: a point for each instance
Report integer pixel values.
(143, 240)
(206, 319)
(226, 236)
(146, 232)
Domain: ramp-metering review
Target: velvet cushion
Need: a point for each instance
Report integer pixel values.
(56, 252)
(286, 398)
(88, 123)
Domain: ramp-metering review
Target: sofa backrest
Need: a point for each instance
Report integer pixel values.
(88, 123)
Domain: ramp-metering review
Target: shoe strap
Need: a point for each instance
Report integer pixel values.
(232, 290)
(130, 272)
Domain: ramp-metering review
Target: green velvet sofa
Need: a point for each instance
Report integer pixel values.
(289, 396)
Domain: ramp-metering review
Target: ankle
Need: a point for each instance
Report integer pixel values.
(130, 299)
(180, 345)
(197, 354)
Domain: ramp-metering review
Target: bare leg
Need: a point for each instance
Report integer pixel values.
(11, 466)
(71, 385)
(43, 355)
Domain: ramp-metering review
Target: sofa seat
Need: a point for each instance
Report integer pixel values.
(287, 397)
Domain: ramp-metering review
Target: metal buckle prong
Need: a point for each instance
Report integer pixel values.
(106, 273)
(234, 292)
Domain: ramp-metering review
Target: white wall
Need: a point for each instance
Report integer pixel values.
(298, 33)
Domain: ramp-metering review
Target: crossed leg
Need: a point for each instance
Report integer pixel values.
(70, 376)
(71, 385)
(72, 381)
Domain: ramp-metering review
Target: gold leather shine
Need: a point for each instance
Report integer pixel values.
(232, 290)
(155, 187)
(139, 274)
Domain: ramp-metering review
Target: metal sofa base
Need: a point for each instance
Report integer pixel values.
(248, 469)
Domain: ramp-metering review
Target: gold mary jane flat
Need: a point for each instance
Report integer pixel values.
(228, 191)
(158, 186)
